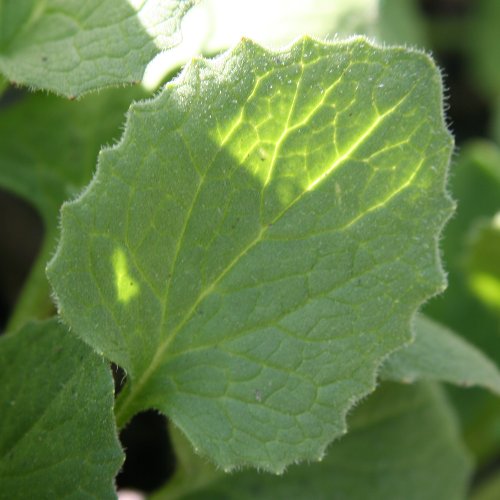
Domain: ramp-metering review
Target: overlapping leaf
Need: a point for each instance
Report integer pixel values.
(403, 443)
(439, 354)
(259, 241)
(57, 434)
(72, 47)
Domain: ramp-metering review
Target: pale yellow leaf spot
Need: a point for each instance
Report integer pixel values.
(126, 286)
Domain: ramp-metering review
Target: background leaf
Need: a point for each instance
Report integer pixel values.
(72, 47)
(403, 443)
(476, 171)
(249, 254)
(482, 262)
(57, 434)
(216, 25)
(483, 45)
(439, 354)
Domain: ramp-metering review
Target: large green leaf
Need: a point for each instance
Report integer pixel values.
(57, 434)
(49, 145)
(404, 444)
(48, 152)
(250, 252)
(439, 354)
(72, 47)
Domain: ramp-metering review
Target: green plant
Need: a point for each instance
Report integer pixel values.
(254, 253)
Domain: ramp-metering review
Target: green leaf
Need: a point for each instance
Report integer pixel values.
(482, 262)
(72, 47)
(439, 354)
(58, 437)
(476, 171)
(3, 85)
(47, 154)
(249, 253)
(49, 145)
(404, 444)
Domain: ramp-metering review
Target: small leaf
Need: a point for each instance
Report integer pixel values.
(404, 444)
(439, 354)
(482, 262)
(57, 434)
(250, 253)
(72, 47)
(489, 488)
(49, 145)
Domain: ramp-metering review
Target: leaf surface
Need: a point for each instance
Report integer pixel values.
(72, 47)
(404, 443)
(47, 155)
(439, 354)
(249, 252)
(57, 434)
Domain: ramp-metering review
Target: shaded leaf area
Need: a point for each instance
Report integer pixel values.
(49, 145)
(249, 252)
(476, 171)
(439, 354)
(47, 154)
(72, 47)
(403, 443)
(57, 435)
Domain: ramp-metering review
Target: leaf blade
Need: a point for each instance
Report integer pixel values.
(372, 461)
(72, 49)
(439, 354)
(54, 392)
(236, 303)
